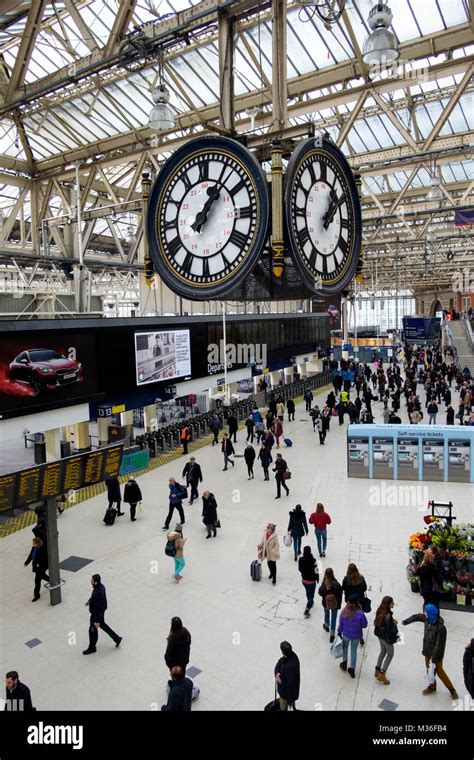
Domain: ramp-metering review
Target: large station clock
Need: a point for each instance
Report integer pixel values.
(207, 217)
(323, 215)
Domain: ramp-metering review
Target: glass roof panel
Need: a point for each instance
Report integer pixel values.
(453, 11)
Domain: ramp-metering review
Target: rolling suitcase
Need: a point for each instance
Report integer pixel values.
(288, 441)
(256, 570)
(110, 516)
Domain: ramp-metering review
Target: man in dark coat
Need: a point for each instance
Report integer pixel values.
(280, 469)
(38, 557)
(113, 493)
(132, 495)
(233, 426)
(468, 667)
(227, 450)
(287, 675)
(192, 471)
(216, 426)
(290, 405)
(17, 694)
(266, 459)
(249, 456)
(97, 606)
(181, 692)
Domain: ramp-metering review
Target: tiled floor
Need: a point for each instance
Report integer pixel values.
(236, 624)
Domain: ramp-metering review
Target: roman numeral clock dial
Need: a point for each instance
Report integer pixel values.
(323, 215)
(207, 217)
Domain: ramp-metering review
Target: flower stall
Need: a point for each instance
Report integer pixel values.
(454, 546)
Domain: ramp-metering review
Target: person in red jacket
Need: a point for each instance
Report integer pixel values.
(320, 519)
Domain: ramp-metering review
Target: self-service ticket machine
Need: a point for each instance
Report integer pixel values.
(433, 460)
(357, 457)
(382, 458)
(459, 461)
(407, 457)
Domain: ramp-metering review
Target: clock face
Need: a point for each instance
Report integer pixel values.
(207, 217)
(323, 216)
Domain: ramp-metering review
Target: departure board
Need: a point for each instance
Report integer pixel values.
(18, 489)
(28, 487)
(73, 473)
(7, 491)
(93, 467)
(113, 458)
(52, 479)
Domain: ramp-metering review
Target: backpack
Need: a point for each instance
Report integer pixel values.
(170, 548)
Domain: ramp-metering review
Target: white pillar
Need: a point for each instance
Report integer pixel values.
(53, 444)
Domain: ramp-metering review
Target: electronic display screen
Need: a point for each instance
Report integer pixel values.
(162, 355)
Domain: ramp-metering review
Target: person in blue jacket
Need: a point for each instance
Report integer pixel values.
(352, 621)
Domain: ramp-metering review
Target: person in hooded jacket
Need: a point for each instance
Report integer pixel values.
(209, 513)
(434, 646)
(178, 646)
(265, 460)
(308, 568)
(287, 676)
(468, 667)
(180, 693)
(132, 495)
(297, 528)
(249, 456)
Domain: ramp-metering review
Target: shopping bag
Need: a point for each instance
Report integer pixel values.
(141, 508)
(336, 648)
(431, 673)
(287, 539)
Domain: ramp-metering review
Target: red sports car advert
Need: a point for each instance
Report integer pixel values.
(43, 368)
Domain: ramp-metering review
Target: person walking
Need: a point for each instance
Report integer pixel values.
(280, 410)
(185, 437)
(97, 606)
(227, 450)
(17, 694)
(297, 528)
(180, 692)
(431, 579)
(387, 633)
(113, 494)
(280, 468)
(259, 429)
(192, 471)
(308, 397)
(320, 519)
(308, 568)
(468, 668)
(132, 495)
(176, 494)
(215, 426)
(321, 428)
(268, 439)
(177, 538)
(178, 645)
(265, 460)
(209, 513)
(354, 584)
(290, 407)
(278, 429)
(287, 676)
(330, 592)
(269, 549)
(38, 557)
(250, 425)
(352, 622)
(249, 456)
(233, 426)
(449, 415)
(434, 646)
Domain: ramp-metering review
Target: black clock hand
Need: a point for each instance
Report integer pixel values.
(333, 207)
(213, 193)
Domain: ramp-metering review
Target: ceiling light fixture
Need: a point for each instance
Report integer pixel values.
(435, 193)
(162, 117)
(381, 46)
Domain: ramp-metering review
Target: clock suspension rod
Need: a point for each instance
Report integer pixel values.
(278, 262)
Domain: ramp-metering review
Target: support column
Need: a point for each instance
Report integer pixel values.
(53, 551)
(149, 417)
(52, 440)
(345, 331)
(226, 72)
(102, 430)
(81, 436)
(279, 87)
(126, 420)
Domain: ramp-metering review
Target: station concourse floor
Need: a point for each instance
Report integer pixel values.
(235, 623)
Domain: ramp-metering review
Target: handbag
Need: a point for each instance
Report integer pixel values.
(366, 604)
(217, 524)
(336, 647)
(287, 540)
(287, 475)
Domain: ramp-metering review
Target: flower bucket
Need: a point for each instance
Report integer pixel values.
(461, 599)
(415, 587)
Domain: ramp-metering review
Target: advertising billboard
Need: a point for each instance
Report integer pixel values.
(162, 355)
(330, 305)
(38, 371)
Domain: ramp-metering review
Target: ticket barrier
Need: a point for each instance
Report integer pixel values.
(459, 461)
(358, 457)
(433, 460)
(382, 458)
(407, 458)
